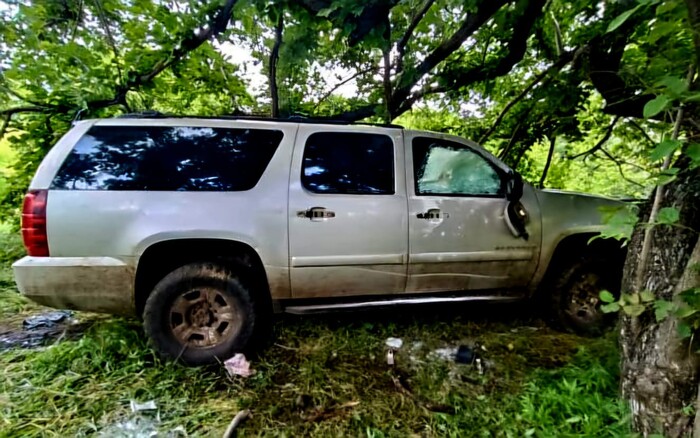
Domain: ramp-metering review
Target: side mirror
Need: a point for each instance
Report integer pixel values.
(514, 186)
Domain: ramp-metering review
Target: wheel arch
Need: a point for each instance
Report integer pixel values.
(579, 246)
(161, 258)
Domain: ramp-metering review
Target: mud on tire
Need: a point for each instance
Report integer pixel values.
(200, 313)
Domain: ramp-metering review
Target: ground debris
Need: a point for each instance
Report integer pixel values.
(47, 320)
(240, 417)
(394, 343)
(39, 329)
(147, 406)
(320, 413)
(238, 365)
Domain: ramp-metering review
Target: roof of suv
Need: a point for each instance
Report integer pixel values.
(291, 119)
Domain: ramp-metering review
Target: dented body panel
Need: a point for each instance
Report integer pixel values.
(398, 244)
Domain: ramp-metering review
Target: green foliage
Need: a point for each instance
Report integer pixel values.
(686, 309)
(631, 304)
(619, 222)
(620, 19)
(664, 149)
(668, 216)
(656, 105)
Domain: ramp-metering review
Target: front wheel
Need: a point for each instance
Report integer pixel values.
(575, 296)
(200, 313)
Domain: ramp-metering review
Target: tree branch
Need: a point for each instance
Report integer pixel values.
(403, 100)
(619, 164)
(215, 26)
(343, 82)
(406, 80)
(601, 142)
(558, 65)
(504, 153)
(24, 109)
(552, 143)
(401, 44)
(110, 39)
(515, 48)
(644, 133)
(5, 124)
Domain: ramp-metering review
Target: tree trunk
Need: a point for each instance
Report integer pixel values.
(659, 369)
(274, 57)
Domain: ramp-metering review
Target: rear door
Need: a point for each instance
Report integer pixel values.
(348, 231)
(458, 235)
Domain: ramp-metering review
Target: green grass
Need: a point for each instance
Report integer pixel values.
(322, 376)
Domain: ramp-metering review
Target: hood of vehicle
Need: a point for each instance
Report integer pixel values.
(571, 193)
(568, 212)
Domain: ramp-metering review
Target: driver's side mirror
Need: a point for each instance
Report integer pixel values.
(514, 186)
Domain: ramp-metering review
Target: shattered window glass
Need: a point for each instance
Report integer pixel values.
(447, 168)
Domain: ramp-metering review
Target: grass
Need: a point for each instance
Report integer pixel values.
(322, 376)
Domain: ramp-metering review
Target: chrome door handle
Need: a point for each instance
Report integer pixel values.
(433, 213)
(316, 213)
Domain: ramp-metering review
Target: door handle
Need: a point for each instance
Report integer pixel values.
(316, 213)
(433, 213)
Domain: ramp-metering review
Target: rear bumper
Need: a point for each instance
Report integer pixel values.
(95, 284)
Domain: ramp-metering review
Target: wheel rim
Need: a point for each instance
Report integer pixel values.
(584, 300)
(204, 317)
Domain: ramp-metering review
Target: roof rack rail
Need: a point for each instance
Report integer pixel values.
(295, 118)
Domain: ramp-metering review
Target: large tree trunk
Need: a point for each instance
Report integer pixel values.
(659, 369)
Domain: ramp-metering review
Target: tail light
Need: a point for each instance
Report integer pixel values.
(34, 223)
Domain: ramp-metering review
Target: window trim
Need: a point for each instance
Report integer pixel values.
(311, 191)
(501, 174)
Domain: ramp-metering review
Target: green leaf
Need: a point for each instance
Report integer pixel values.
(620, 19)
(656, 105)
(610, 308)
(693, 151)
(632, 298)
(634, 309)
(663, 149)
(647, 297)
(693, 97)
(667, 176)
(668, 216)
(686, 312)
(684, 330)
(606, 297)
(674, 85)
(662, 309)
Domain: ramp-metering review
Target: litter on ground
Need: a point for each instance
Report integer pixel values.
(238, 365)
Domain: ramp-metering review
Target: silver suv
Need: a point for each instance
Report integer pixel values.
(204, 227)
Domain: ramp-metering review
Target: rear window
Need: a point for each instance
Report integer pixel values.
(176, 158)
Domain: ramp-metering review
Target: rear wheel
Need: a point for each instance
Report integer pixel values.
(200, 313)
(575, 295)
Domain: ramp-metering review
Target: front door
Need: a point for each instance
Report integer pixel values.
(348, 232)
(459, 239)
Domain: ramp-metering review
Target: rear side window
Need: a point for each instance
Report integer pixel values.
(175, 158)
(348, 163)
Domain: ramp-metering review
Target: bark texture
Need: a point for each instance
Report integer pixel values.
(660, 371)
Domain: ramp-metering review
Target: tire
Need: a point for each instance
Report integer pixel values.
(200, 313)
(575, 295)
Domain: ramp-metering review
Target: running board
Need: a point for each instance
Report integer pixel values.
(360, 305)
